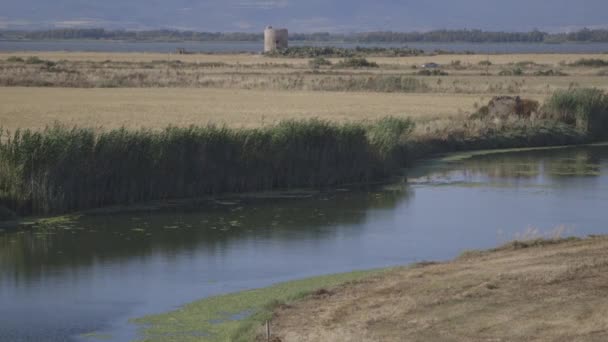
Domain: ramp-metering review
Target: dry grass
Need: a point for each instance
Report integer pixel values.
(536, 292)
(553, 59)
(158, 108)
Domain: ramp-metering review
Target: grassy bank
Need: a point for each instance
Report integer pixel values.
(474, 297)
(233, 317)
(63, 170)
(525, 291)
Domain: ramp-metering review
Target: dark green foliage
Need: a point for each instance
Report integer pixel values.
(590, 62)
(61, 170)
(485, 63)
(585, 108)
(355, 63)
(433, 72)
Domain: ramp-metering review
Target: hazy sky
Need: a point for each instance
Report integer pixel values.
(306, 15)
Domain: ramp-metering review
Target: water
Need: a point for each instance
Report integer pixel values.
(95, 273)
(255, 47)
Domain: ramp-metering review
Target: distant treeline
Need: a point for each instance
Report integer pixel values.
(475, 36)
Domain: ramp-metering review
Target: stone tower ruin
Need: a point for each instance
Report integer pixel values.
(275, 39)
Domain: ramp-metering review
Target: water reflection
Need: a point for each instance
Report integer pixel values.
(96, 272)
(35, 251)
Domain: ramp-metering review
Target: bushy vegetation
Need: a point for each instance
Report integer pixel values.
(549, 72)
(512, 72)
(15, 59)
(318, 62)
(355, 63)
(590, 62)
(334, 52)
(61, 170)
(585, 108)
(433, 72)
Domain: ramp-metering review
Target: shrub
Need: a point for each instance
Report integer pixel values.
(15, 59)
(355, 63)
(37, 60)
(485, 63)
(318, 62)
(549, 72)
(434, 72)
(511, 72)
(585, 108)
(590, 62)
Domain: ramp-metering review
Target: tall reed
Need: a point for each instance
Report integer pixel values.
(60, 170)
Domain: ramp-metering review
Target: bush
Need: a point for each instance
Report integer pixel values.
(318, 62)
(485, 63)
(512, 72)
(590, 62)
(37, 60)
(434, 72)
(15, 59)
(549, 72)
(585, 108)
(356, 63)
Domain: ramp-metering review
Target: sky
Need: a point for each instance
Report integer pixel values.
(338, 16)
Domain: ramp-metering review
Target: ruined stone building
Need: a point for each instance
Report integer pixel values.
(275, 39)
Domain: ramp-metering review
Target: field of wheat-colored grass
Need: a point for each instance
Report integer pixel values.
(157, 108)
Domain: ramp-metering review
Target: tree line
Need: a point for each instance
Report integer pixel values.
(473, 36)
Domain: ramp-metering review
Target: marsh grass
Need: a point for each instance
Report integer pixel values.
(61, 170)
(585, 108)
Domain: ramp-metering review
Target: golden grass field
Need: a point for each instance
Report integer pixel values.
(245, 90)
(158, 108)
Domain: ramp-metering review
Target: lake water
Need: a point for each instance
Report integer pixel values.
(93, 274)
(255, 47)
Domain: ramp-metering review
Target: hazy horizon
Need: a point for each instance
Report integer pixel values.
(336, 16)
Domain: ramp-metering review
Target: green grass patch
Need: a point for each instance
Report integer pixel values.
(234, 317)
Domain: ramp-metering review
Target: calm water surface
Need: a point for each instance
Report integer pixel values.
(163, 47)
(60, 281)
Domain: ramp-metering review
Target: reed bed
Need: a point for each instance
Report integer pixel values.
(60, 170)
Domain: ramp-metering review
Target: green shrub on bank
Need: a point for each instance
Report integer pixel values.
(585, 108)
(61, 170)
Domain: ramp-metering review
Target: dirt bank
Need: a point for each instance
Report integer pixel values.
(537, 291)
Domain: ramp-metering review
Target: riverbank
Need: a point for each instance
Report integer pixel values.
(531, 290)
(62, 170)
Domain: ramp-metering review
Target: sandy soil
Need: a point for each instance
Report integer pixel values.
(552, 292)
